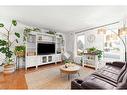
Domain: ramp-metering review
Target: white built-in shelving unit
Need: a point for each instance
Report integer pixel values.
(33, 59)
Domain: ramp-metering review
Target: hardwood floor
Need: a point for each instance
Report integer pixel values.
(17, 80)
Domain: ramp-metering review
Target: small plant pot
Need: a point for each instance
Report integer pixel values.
(66, 66)
(9, 68)
(20, 54)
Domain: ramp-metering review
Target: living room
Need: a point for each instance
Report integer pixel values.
(64, 47)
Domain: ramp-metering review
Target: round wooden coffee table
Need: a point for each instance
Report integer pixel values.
(73, 69)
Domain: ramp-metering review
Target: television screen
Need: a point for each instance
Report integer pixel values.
(45, 48)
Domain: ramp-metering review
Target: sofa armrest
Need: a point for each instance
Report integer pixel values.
(116, 63)
(108, 63)
(76, 84)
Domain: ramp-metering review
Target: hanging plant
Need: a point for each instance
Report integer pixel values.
(27, 30)
(91, 50)
(51, 32)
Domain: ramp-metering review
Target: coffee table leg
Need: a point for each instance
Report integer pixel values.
(68, 76)
(78, 74)
(60, 74)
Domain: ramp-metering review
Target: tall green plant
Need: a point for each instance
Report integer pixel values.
(6, 44)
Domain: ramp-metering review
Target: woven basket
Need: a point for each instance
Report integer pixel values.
(8, 69)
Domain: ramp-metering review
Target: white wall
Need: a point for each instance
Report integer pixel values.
(70, 40)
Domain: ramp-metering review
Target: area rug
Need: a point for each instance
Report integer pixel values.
(51, 79)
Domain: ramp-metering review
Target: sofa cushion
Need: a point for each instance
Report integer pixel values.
(112, 69)
(94, 82)
(107, 75)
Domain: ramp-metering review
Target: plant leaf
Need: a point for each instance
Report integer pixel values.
(1, 25)
(3, 49)
(36, 29)
(17, 34)
(3, 42)
(20, 48)
(9, 54)
(14, 22)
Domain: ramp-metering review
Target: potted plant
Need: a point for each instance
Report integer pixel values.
(20, 51)
(96, 51)
(51, 32)
(66, 62)
(91, 50)
(27, 30)
(81, 60)
(99, 54)
(6, 47)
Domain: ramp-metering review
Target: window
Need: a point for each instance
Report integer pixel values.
(80, 44)
(112, 43)
(113, 47)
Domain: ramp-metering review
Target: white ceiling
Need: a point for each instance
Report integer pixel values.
(64, 18)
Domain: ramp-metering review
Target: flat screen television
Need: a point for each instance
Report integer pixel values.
(45, 48)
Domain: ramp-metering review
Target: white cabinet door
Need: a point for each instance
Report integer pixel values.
(58, 57)
(39, 60)
(54, 58)
(32, 61)
(43, 59)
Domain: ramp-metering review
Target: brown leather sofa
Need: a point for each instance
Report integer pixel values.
(112, 76)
